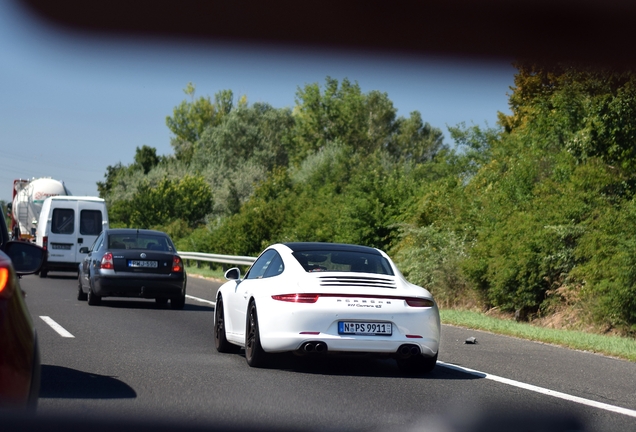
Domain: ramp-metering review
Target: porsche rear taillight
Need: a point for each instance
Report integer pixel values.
(419, 302)
(4, 278)
(177, 264)
(297, 298)
(107, 262)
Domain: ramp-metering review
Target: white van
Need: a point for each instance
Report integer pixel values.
(66, 224)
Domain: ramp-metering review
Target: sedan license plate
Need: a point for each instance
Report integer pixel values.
(144, 264)
(365, 328)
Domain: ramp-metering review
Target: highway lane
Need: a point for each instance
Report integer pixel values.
(130, 358)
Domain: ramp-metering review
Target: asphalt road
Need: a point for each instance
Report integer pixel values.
(129, 359)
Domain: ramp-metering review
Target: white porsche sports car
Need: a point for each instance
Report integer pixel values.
(325, 298)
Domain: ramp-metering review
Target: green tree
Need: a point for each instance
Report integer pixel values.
(415, 140)
(110, 178)
(188, 199)
(146, 158)
(343, 112)
(190, 119)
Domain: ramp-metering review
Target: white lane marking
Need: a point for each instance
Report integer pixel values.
(201, 300)
(58, 328)
(545, 391)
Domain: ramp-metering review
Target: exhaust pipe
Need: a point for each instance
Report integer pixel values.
(313, 347)
(408, 350)
(404, 350)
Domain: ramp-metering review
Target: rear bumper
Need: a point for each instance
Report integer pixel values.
(144, 286)
(287, 326)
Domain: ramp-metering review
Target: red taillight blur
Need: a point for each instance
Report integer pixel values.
(107, 262)
(45, 242)
(177, 264)
(4, 278)
(419, 302)
(297, 298)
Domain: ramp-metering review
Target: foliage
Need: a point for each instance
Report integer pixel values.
(146, 158)
(152, 205)
(190, 119)
(534, 216)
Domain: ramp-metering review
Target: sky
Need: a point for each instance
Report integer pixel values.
(72, 104)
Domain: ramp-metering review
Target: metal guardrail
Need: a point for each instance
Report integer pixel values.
(223, 259)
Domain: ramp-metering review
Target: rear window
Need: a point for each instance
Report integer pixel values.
(63, 221)
(140, 241)
(90, 222)
(343, 261)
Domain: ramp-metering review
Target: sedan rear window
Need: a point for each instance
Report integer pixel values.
(141, 241)
(343, 261)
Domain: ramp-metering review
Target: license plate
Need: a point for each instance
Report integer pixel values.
(61, 246)
(365, 328)
(144, 264)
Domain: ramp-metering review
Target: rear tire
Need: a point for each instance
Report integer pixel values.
(417, 365)
(220, 341)
(36, 373)
(177, 303)
(93, 299)
(43, 272)
(81, 295)
(254, 353)
(161, 301)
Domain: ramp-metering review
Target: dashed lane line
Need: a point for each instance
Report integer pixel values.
(58, 328)
(541, 390)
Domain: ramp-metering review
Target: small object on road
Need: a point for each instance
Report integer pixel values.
(471, 340)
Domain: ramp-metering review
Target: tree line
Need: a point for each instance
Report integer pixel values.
(534, 217)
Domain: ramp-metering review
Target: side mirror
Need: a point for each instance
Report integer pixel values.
(83, 250)
(233, 274)
(26, 257)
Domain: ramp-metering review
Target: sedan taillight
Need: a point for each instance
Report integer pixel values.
(107, 262)
(297, 298)
(4, 278)
(177, 264)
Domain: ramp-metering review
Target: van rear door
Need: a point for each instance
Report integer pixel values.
(61, 243)
(90, 226)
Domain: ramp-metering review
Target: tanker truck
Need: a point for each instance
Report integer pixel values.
(26, 204)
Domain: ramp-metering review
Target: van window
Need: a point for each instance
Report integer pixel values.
(63, 221)
(90, 222)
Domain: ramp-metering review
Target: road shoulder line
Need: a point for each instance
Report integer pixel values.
(201, 300)
(541, 390)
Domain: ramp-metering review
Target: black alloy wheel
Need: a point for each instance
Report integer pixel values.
(220, 341)
(254, 353)
(93, 299)
(417, 365)
(81, 295)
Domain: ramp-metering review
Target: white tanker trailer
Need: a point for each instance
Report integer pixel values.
(28, 196)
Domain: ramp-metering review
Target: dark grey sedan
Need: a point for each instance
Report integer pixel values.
(132, 263)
